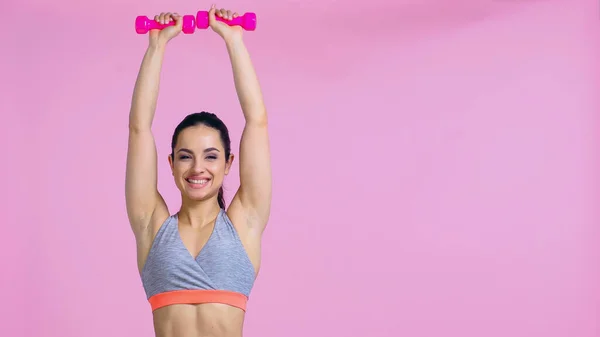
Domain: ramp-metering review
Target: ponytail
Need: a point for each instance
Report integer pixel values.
(220, 198)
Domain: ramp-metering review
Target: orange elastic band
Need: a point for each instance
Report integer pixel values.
(197, 297)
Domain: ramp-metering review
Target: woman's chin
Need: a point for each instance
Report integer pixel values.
(196, 195)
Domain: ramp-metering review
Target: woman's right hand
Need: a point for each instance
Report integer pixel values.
(161, 37)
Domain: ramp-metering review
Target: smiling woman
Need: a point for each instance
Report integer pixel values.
(205, 137)
(198, 266)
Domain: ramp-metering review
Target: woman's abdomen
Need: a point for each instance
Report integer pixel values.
(199, 320)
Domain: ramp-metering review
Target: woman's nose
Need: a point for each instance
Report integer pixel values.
(198, 167)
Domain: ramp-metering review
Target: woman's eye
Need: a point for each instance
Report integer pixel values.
(211, 157)
(184, 157)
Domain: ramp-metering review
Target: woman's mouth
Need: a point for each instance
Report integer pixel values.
(197, 183)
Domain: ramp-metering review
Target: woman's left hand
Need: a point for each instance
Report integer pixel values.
(224, 30)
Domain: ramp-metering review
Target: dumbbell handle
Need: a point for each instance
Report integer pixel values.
(143, 24)
(246, 21)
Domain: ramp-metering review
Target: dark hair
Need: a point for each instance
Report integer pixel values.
(211, 120)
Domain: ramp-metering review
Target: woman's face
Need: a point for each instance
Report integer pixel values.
(199, 164)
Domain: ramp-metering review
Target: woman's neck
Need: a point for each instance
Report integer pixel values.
(198, 214)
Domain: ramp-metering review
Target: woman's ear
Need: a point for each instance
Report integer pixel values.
(228, 163)
(171, 164)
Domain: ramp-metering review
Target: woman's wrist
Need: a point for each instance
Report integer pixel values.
(156, 45)
(233, 41)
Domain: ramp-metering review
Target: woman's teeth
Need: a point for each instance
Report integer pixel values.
(193, 181)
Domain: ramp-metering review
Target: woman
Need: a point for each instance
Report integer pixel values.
(199, 264)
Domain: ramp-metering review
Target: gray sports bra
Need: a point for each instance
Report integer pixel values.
(221, 273)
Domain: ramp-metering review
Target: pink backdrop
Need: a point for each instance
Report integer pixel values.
(434, 165)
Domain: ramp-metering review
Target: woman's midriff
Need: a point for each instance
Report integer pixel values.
(198, 320)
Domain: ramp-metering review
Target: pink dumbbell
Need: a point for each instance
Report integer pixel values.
(246, 21)
(143, 24)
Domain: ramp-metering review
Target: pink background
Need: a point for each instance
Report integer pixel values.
(434, 165)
